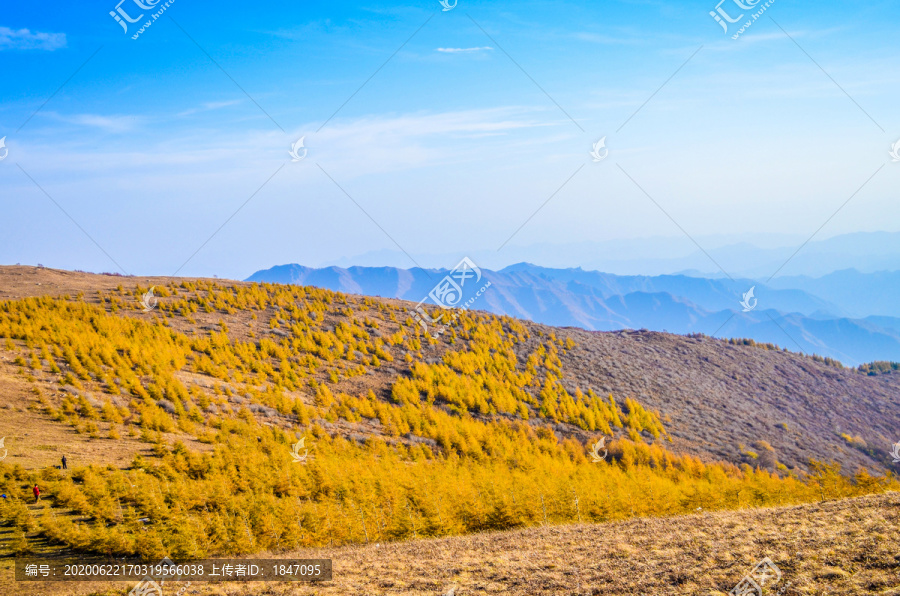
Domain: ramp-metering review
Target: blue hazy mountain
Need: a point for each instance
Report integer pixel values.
(855, 294)
(756, 256)
(793, 317)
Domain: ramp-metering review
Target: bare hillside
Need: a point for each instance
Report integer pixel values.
(721, 396)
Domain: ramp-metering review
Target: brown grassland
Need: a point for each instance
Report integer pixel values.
(847, 546)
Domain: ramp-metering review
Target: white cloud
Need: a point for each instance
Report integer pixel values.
(605, 39)
(359, 146)
(209, 106)
(24, 39)
(458, 50)
(415, 140)
(114, 124)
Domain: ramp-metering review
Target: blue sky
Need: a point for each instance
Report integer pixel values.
(447, 143)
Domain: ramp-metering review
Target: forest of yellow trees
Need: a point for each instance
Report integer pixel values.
(465, 442)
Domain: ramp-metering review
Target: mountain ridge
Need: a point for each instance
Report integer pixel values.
(757, 256)
(593, 300)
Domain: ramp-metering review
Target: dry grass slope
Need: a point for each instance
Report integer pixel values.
(844, 547)
(850, 546)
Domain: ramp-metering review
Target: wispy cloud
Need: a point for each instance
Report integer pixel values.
(24, 39)
(606, 39)
(356, 147)
(458, 50)
(114, 124)
(209, 106)
(730, 45)
(727, 44)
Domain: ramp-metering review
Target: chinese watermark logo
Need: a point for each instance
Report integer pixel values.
(894, 152)
(448, 294)
(123, 18)
(595, 451)
(447, 6)
(295, 451)
(3, 147)
(600, 152)
(749, 302)
(146, 587)
(895, 453)
(724, 18)
(149, 301)
(5, 451)
(150, 587)
(295, 152)
(753, 583)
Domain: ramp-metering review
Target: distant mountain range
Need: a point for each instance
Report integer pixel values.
(846, 315)
(855, 294)
(751, 256)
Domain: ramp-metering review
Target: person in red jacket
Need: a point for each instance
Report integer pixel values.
(37, 493)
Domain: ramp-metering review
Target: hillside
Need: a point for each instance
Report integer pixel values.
(798, 317)
(834, 547)
(749, 394)
(179, 420)
(716, 395)
(846, 547)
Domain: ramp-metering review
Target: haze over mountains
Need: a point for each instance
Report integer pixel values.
(848, 315)
(750, 256)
